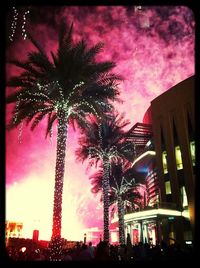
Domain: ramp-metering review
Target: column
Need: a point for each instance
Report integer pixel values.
(131, 232)
(125, 232)
(158, 231)
(140, 228)
(145, 235)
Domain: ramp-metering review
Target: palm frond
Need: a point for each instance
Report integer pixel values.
(21, 114)
(67, 37)
(49, 82)
(96, 181)
(25, 80)
(26, 66)
(65, 41)
(51, 119)
(92, 52)
(79, 50)
(38, 118)
(40, 61)
(35, 43)
(55, 59)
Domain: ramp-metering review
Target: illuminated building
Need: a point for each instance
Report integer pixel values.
(165, 160)
(13, 229)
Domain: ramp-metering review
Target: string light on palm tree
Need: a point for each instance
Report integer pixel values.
(105, 142)
(14, 24)
(122, 188)
(64, 101)
(24, 35)
(51, 136)
(20, 132)
(15, 20)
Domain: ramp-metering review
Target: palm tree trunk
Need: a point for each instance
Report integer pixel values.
(58, 188)
(120, 206)
(105, 186)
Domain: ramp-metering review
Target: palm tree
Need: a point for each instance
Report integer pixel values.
(104, 142)
(67, 88)
(123, 187)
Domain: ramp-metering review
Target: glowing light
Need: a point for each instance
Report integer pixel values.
(142, 156)
(178, 154)
(20, 132)
(36, 213)
(164, 161)
(168, 187)
(105, 187)
(148, 143)
(120, 205)
(114, 237)
(185, 214)
(24, 35)
(23, 249)
(192, 151)
(184, 198)
(153, 212)
(14, 24)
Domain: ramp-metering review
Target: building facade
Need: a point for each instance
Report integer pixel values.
(173, 126)
(166, 161)
(13, 229)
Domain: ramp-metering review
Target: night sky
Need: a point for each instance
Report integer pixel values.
(153, 48)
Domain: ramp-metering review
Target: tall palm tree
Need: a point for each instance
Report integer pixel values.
(66, 88)
(104, 142)
(123, 187)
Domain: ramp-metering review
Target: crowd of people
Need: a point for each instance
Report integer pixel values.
(108, 252)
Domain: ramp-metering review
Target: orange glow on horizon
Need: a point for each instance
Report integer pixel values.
(31, 202)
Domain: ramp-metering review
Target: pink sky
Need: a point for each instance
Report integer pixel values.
(153, 49)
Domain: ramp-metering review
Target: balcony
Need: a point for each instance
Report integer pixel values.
(143, 159)
(162, 209)
(162, 205)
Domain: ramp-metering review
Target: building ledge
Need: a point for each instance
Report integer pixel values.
(151, 213)
(143, 159)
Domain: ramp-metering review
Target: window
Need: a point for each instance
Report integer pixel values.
(168, 187)
(148, 143)
(184, 197)
(192, 151)
(179, 163)
(164, 160)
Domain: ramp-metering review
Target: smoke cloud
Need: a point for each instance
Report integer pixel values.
(153, 48)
